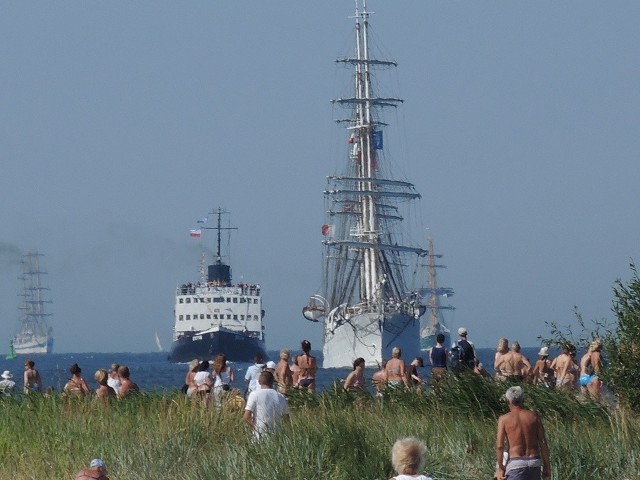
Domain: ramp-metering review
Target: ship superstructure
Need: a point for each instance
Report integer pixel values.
(213, 316)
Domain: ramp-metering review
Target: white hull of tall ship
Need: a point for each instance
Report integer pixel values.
(372, 337)
(32, 344)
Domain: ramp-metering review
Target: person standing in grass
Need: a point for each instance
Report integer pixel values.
(127, 387)
(253, 372)
(514, 366)
(396, 370)
(284, 376)
(527, 444)
(114, 379)
(7, 385)
(76, 385)
(590, 370)
(265, 407)
(104, 391)
(355, 379)
(32, 382)
(308, 368)
(379, 379)
(96, 471)
(407, 458)
(414, 375)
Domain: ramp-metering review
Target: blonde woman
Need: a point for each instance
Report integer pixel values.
(104, 391)
(283, 374)
(396, 370)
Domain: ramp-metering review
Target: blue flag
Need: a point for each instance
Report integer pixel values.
(376, 136)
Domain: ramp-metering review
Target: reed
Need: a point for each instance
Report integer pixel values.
(335, 435)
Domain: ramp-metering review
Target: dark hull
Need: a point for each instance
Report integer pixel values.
(236, 347)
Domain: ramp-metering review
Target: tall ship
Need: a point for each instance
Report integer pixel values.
(35, 334)
(212, 315)
(433, 322)
(371, 298)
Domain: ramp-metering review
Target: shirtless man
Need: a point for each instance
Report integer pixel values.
(97, 471)
(513, 365)
(527, 444)
(590, 370)
(308, 367)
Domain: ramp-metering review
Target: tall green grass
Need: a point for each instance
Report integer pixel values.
(337, 435)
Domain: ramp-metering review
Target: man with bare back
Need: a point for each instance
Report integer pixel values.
(513, 365)
(527, 445)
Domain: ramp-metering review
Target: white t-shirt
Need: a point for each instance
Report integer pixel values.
(253, 372)
(267, 406)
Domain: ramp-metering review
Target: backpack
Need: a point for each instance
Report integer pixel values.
(462, 355)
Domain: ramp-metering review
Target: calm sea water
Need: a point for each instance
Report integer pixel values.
(152, 371)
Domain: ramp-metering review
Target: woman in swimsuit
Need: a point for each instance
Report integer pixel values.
(396, 370)
(76, 385)
(590, 365)
(32, 382)
(543, 374)
(308, 368)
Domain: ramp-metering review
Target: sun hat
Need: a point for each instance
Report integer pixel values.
(6, 374)
(462, 331)
(271, 365)
(96, 462)
(544, 352)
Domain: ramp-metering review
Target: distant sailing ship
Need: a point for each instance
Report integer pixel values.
(35, 334)
(372, 296)
(213, 316)
(433, 324)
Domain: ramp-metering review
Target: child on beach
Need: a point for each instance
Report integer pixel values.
(407, 457)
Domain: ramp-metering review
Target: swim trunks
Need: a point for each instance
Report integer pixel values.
(523, 468)
(587, 379)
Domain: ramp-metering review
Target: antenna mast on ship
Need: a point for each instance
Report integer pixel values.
(219, 272)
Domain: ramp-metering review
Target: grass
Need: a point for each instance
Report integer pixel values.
(334, 435)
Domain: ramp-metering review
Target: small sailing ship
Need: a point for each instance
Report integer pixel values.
(371, 298)
(213, 316)
(434, 324)
(35, 334)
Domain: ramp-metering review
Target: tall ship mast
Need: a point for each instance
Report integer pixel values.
(35, 334)
(371, 297)
(433, 323)
(212, 316)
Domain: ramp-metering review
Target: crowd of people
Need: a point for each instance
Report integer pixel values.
(113, 384)
(264, 403)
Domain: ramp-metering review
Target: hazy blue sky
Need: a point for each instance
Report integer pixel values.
(122, 122)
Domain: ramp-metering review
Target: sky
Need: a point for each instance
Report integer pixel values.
(121, 123)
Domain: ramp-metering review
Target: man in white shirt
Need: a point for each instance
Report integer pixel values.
(251, 376)
(265, 407)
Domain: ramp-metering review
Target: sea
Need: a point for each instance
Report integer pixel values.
(155, 374)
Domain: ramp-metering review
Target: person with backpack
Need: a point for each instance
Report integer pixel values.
(464, 353)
